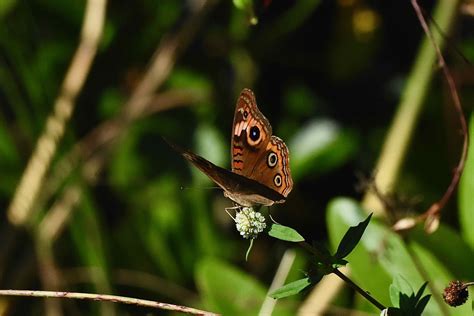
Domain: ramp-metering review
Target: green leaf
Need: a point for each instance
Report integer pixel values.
(291, 288)
(351, 238)
(405, 299)
(394, 295)
(319, 146)
(381, 255)
(242, 4)
(421, 305)
(285, 233)
(399, 289)
(466, 187)
(402, 285)
(449, 247)
(420, 291)
(372, 276)
(227, 290)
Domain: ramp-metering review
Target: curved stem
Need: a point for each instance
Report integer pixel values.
(409, 109)
(435, 209)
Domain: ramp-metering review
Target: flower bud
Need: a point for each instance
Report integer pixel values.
(456, 293)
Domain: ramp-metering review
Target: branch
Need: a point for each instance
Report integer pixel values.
(105, 298)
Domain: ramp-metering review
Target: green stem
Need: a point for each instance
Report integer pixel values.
(401, 131)
(324, 259)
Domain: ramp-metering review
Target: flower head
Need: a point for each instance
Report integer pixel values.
(456, 293)
(249, 222)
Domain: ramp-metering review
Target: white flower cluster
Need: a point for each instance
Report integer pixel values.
(249, 223)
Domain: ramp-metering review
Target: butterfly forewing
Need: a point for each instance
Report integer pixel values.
(251, 133)
(257, 154)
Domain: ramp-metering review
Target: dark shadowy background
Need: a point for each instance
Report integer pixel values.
(327, 74)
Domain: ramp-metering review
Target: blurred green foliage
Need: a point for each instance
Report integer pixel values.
(328, 76)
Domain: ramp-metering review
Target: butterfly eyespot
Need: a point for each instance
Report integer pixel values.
(272, 159)
(254, 133)
(246, 114)
(277, 180)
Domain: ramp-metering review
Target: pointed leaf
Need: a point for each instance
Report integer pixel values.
(405, 303)
(420, 291)
(291, 288)
(285, 233)
(351, 238)
(420, 307)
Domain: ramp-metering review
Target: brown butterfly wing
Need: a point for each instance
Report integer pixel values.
(256, 154)
(273, 167)
(251, 133)
(242, 190)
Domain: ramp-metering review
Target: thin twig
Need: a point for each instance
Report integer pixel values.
(446, 38)
(105, 298)
(433, 213)
(30, 184)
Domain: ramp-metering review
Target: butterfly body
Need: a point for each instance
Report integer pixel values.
(260, 172)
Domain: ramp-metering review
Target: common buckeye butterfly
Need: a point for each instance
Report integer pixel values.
(260, 161)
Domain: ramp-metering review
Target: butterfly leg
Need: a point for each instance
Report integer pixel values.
(236, 208)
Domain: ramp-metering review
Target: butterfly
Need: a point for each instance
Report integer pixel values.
(260, 172)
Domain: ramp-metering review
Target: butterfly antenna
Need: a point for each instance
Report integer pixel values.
(199, 188)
